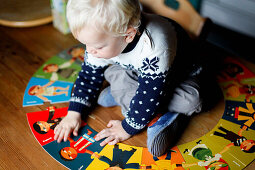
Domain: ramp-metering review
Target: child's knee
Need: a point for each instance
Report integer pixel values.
(186, 99)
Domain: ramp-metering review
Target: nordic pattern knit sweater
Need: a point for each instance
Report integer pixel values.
(151, 57)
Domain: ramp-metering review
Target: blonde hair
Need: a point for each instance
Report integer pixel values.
(110, 16)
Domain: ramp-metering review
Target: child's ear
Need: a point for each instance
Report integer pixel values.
(131, 32)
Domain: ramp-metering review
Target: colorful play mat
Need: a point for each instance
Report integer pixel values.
(229, 145)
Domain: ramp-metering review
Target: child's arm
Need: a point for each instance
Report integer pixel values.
(114, 133)
(71, 123)
(87, 88)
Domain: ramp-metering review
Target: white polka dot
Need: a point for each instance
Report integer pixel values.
(151, 100)
(140, 102)
(82, 83)
(89, 90)
(154, 88)
(144, 92)
(80, 91)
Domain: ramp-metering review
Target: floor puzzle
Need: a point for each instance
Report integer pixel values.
(229, 145)
(53, 81)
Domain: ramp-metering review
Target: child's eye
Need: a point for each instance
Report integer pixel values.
(101, 47)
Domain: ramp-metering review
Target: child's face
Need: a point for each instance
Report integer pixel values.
(100, 44)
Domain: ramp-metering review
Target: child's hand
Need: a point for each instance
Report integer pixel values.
(71, 123)
(113, 134)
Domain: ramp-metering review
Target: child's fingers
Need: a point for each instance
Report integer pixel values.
(66, 133)
(103, 134)
(110, 123)
(99, 135)
(115, 141)
(75, 131)
(56, 132)
(61, 135)
(107, 140)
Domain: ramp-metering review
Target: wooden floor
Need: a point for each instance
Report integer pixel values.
(22, 52)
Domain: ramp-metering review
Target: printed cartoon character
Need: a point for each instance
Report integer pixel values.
(119, 159)
(246, 145)
(43, 127)
(47, 90)
(162, 163)
(247, 114)
(203, 153)
(62, 70)
(237, 88)
(79, 146)
(231, 71)
(77, 53)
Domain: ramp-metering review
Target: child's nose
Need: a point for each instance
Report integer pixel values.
(91, 50)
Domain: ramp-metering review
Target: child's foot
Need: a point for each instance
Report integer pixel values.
(106, 99)
(162, 134)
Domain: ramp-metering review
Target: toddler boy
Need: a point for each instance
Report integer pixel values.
(147, 61)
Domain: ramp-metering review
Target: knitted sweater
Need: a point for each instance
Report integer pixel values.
(151, 58)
